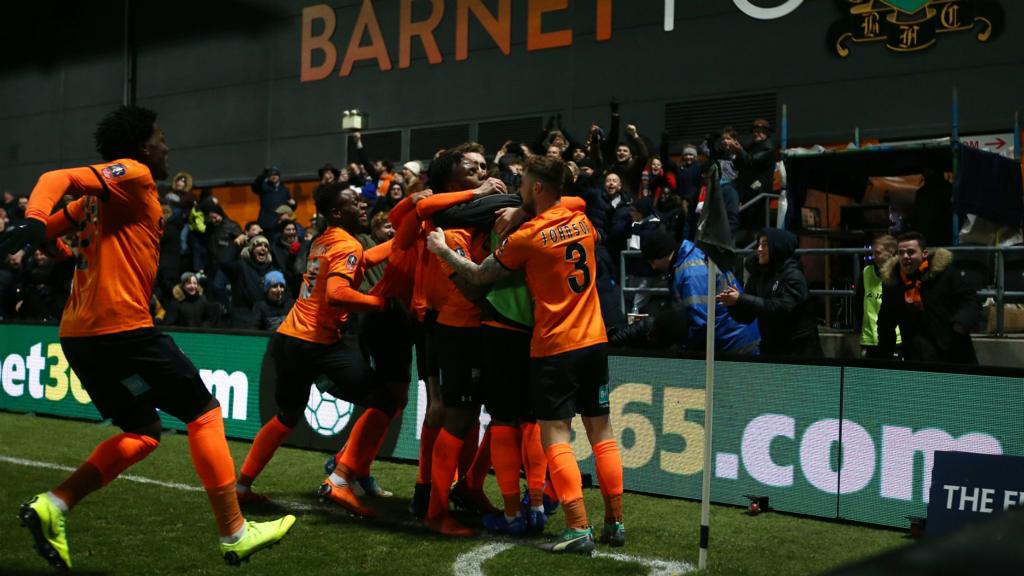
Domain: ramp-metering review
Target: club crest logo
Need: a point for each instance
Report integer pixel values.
(114, 171)
(913, 25)
(351, 262)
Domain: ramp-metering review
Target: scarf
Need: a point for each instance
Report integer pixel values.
(912, 285)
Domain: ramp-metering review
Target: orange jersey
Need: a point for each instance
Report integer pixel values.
(556, 249)
(119, 225)
(335, 252)
(430, 288)
(399, 276)
(457, 311)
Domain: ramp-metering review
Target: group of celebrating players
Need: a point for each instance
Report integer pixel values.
(494, 289)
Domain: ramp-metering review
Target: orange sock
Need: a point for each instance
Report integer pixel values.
(471, 441)
(262, 450)
(446, 459)
(363, 443)
(477, 474)
(609, 476)
(212, 461)
(565, 473)
(549, 488)
(113, 456)
(428, 436)
(535, 461)
(505, 453)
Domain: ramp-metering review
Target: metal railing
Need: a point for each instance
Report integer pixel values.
(766, 198)
(997, 290)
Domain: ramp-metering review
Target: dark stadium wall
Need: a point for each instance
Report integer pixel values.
(225, 76)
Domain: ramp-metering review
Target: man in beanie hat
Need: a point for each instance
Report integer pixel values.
(411, 174)
(247, 282)
(276, 303)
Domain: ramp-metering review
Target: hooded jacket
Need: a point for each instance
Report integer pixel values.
(776, 296)
(949, 296)
(191, 311)
(689, 291)
(247, 284)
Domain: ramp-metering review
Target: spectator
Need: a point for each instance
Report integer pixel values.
(273, 193)
(688, 180)
(388, 201)
(247, 283)
(555, 140)
(932, 301)
(630, 159)
(285, 216)
(224, 239)
(656, 181)
(181, 189)
(722, 148)
(381, 230)
(285, 250)
(188, 306)
(644, 221)
(328, 174)
(193, 234)
(411, 175)
(776, 295)
(16, 213)
(8, 201)
(385, 176)
(618, 221)
(689, 288)
(11, 275)
(252, 230)
(756, 173)
(168, 270)
(276, 302)
(46, 288)
(364, 174)
(669, 208)
(756, 163)
(868, 299)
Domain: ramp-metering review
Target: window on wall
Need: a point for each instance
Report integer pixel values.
(425, 142)
(494, 133)
(378, 146)
(689, 122)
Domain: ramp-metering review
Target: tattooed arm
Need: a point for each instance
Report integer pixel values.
(477, 274)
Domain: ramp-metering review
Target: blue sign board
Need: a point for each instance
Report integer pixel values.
(972, 487)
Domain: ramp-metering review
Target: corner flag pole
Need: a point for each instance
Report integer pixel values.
(709, 391)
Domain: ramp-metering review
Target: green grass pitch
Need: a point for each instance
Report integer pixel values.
(134, 527)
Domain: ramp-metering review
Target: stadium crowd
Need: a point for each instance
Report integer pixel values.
(219, 273)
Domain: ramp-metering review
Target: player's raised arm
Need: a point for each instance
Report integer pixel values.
(477, 274)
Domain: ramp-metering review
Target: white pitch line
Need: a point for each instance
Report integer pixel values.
(140, 479)
(655, 566)
(471, 563)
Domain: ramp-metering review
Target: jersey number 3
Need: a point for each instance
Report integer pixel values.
(575, 254)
